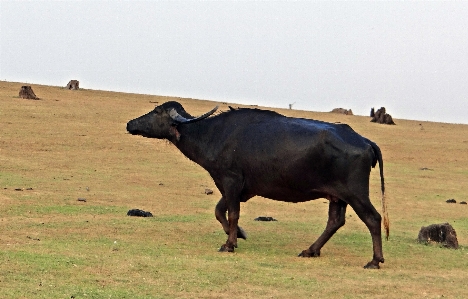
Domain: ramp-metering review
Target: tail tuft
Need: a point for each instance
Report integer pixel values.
(386, 222)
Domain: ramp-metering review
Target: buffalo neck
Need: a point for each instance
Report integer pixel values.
(197, 141)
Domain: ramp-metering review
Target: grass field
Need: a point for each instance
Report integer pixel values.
(73, 144)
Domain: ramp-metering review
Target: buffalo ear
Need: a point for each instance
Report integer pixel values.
(158, 109)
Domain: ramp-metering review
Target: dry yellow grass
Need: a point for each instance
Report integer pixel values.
(53, 246)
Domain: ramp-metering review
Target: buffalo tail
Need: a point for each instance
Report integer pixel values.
(386, 221)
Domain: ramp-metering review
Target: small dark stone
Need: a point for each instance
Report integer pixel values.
(208, 191)
(265, 218)
(81, 199)
(451, 201)
(463, 202)
(139, 213)
(19, 189)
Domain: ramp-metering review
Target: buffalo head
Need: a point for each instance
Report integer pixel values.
(162, 121)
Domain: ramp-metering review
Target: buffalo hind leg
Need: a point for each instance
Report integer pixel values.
(369, 215)
(220, 213)
(336, 219)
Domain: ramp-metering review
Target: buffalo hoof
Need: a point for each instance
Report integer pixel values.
(241, 233)
(372, 265)
(305, 253)
(226, 248)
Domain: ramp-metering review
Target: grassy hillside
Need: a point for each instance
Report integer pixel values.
(73, 144)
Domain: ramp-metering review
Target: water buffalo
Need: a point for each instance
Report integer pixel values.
(251, 152)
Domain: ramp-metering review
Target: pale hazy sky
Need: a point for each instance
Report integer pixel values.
(411, 57)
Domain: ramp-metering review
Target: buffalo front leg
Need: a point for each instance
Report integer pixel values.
(220, 213)
(336, 219)
(233, 219)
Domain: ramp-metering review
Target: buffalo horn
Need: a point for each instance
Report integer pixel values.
(178, 118)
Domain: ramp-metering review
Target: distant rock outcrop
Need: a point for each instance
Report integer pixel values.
(342, 111)
(26, 92)
(380, 116)
(73, 85)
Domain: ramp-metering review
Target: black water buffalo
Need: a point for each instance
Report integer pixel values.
(252, 152)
